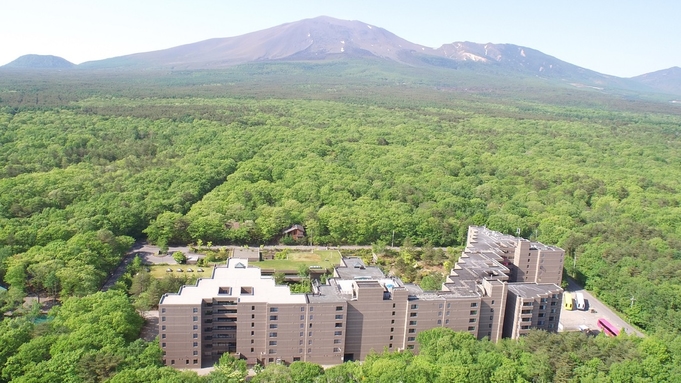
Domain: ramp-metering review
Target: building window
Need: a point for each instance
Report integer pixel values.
(337, 333)
(252, 341)
(252, 324)
(302, 317)
(392, 321)
(195, 318)
(474, 304)
(471, 320)
(274, 317)
(392, 329)
(474, 312)
(339, 317)
(339, 308)
(163, 336)
(274, 309)
(491, 317)
(302, 334)
(336, 341)
(302, 325)
(274, 325)
(311, 308)
(411, 339)
(540, 323)
(490, 325)
(272, 351)
(311, 316)
(309, 341)
(273, 335)
(448, 305)
(492, 301)
(273, 343)
(393, 313)
(439, 321)
(446, 321)
(195, 336)
(439, 306)
(163, 319)
(551, 319)
(471, 328)
(252, 349)
(172, 361)
(195, 327)
(447, 313)
(410, 347)
(163, 344)
(412, 323)
(195, 344)
(252, 333)
(412, 330)
(336, 350)
(413, 315)
(163, 310)
(196, 361)
(338, 325)
(195, 353)
(252, 307)
(163, 328)
(391, 337)
(309, 333)
(195, 310)
(390, 345)
(414, 307)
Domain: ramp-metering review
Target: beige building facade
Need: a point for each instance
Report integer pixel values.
(501, 287)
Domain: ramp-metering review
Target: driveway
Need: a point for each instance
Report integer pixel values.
(571, 320)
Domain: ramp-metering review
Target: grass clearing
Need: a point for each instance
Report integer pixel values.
(159, 271)
(327, 259)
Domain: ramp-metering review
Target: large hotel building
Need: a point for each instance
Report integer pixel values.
(502, 286)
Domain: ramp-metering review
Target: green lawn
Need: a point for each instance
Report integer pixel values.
(159, 271)
(327, 259)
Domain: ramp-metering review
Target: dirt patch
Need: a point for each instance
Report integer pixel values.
(150, 329)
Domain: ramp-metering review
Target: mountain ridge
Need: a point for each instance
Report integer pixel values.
(326, 38)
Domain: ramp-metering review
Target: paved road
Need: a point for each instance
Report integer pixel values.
(572, 319)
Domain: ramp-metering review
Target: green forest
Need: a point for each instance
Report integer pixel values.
(89, 166)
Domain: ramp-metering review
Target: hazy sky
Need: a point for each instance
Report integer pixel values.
(618, 37)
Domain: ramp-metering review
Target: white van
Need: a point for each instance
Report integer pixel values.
(579, 297)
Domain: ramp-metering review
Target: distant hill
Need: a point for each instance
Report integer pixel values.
(40, 62)
(321, 38)
(327, 39)
(666, 80)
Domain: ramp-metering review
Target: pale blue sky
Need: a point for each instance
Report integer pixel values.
(623, 38)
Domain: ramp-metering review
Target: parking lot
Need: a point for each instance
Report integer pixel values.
(572, 320)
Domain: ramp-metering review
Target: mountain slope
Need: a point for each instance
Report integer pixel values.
(666, 80)
(40, 62)
(311, 39)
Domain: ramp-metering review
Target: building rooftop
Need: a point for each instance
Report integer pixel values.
(235, 280)
(354, 268)
(531, 290)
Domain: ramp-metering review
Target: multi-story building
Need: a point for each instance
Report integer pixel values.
(501, 286)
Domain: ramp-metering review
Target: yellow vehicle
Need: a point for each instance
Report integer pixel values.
(567, 301)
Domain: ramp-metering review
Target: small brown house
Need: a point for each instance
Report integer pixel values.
(296, 232)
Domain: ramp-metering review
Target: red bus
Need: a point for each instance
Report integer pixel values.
(607, 327)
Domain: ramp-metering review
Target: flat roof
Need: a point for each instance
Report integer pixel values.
(532, 290)
(354, 268)
(235, 280)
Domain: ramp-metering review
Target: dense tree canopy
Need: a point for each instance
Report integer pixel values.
(235, 158)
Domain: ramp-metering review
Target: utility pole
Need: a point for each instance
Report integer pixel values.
(392, 244)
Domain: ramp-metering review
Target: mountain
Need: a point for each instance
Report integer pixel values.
(666, 80)
(327, 39)
(40, 62)
(321, 38)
